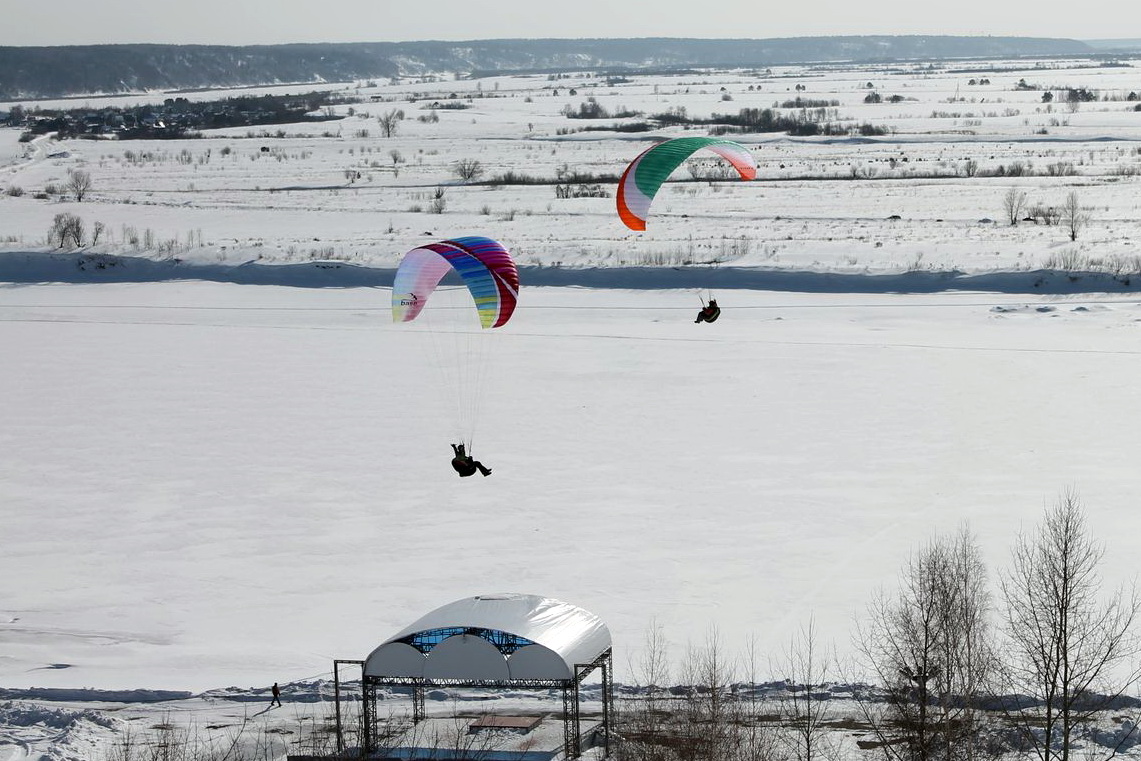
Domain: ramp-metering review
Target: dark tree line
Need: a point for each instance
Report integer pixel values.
(176, 117)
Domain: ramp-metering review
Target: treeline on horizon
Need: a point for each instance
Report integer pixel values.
(28, 73)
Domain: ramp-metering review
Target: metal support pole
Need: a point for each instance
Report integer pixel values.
(418, 712)
(607, 697)
(369, 729)
(337, 663)
(568, 737)
(337, 703)
(577, 719)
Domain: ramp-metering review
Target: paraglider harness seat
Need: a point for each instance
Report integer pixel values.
(465, 465)
(709, 313)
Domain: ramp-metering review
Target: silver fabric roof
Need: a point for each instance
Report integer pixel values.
(564, 635)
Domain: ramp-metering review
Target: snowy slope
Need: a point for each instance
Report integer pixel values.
(223, 465)
(211, 484)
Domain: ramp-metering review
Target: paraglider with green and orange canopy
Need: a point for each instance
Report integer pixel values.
(647, 172)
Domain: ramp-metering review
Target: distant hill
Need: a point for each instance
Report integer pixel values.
(49, 72)
(1115, 46)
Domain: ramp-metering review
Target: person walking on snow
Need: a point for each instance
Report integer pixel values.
(276, 691)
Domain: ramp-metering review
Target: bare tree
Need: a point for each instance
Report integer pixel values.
(67, 227)
(967, 654)
(390, 122)
(806, 668)
(1046, 215)
(927, 647)
(1013, 203)
(715, 724)
(1073, 651)
(79, 182)
(643, 721)
(705, 711)
(468, 170)
(1074, 217)
(704, 718)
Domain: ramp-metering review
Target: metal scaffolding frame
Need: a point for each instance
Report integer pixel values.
(337, 697)
(572, 728)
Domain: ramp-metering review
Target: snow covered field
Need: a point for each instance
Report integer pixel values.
(207, 482)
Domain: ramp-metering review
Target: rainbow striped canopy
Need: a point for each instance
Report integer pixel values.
(484, 266)
(650, 169)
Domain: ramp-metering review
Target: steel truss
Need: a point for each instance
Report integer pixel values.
(572, 729)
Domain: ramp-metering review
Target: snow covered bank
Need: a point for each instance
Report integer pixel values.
(87, 267)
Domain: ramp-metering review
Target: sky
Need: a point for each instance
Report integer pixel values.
(225, 22)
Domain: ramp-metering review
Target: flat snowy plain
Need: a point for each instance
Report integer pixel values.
(211, 481)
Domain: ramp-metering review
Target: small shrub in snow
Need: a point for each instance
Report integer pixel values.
(581, 190)
(1061, 169)
(439, 201)
(130, 236)
(468, 170)
(1070, 260)
(511, 177)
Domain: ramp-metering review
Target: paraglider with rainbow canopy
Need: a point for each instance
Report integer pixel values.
(490, 283)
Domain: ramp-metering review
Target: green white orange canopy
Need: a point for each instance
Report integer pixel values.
(650, 169)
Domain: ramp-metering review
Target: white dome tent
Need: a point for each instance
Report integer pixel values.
(506, 640)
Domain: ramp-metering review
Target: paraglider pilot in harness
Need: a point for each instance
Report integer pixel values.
(709, 313)
(463, 463)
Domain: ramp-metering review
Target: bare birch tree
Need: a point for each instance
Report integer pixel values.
(79, 182)
(806, 669)
(643, 722)
(927, 646)
(706, 711)
(389, 122)
(703, 718)
(1074, 217)
(1013, 203)
(1073, 650)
